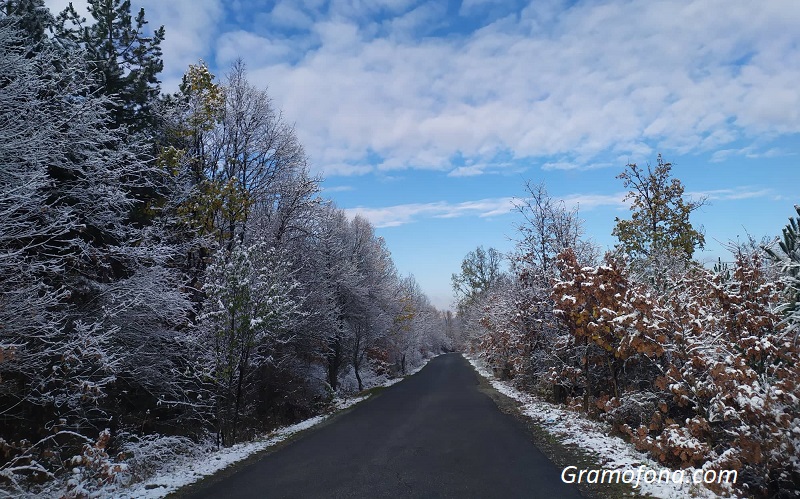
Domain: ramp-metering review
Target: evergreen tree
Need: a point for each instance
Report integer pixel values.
(123, 56)
(789, 260)
(30, 16)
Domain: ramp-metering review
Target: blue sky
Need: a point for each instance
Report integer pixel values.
(428, 117)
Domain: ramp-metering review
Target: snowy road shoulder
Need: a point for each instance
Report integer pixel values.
(191, 470)
(612, 453)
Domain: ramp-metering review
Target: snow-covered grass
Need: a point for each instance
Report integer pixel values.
(193, 468)
(187, 472)
(609, 451)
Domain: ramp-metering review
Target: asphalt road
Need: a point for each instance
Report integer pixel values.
(432, 435)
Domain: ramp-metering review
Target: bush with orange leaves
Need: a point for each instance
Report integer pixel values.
(705, 373)
(609, 321)
(733, 373)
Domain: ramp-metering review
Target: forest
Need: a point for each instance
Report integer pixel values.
(173, 280)
(697, 365)
(171, 275)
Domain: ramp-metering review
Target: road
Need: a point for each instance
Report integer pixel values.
(435, 434)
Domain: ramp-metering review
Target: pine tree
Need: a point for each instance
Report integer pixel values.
(788, 258)
(30, 16)
(123, 56)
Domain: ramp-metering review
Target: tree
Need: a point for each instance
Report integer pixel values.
(731, 371)
(548, 228)
(123, 57)
(527, 309)
(368, 310)
(244, 167)
(32, 17)
(83, 291)
(403, 337)
(660, 220)
(413, 329)
(788, 260)
(237, 170)
(480, 271)
(608, 317)
(250, 311)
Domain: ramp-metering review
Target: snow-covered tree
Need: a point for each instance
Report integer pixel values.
(547, 228)
(124, 58)
(83, 291)
(609, 318)
(32, 17)
(56, 356)
(788, 260)
(250, 313)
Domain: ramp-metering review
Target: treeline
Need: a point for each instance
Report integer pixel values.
(699, 366)
(169, 272)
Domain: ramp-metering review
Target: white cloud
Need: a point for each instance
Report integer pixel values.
(355, 9)
(339, 188)
(255, 50)
(569, 165)
(345, 170)
(467, 171)
(421, 19)
(587, 202)
(731, 194)
(587, 82)
(286, 14)
(190, 26)
(750, 152)
(590, 82)
(393, 216)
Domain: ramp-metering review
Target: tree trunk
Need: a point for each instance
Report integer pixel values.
(586, 374)
(334, 361)
(358, 378)
(357, 363)
(612, 366)
(237, 401)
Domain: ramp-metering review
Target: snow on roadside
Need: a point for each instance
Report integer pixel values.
(611, 452)
(192, 470)
(171, 480)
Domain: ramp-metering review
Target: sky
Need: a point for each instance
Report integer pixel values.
(428, 117)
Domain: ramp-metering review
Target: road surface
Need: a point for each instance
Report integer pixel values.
(432, 435)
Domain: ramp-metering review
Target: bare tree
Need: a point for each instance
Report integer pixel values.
(548, 228)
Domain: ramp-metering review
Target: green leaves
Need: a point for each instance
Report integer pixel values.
(480, 271)
(660, 214)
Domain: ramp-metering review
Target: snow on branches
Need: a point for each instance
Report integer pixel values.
(700, 367)
(251, 311)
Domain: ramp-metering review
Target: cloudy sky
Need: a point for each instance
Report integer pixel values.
(428, 117)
